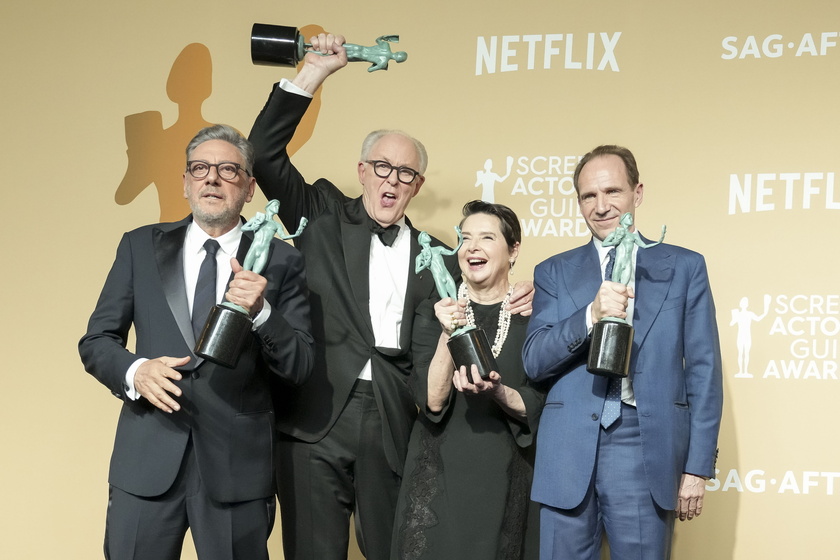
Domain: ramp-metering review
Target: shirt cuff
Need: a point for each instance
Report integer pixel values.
(262, 316)
(289, 87)
(130, 392)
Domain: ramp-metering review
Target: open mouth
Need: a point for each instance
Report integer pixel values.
(388, 199)
(476, 263)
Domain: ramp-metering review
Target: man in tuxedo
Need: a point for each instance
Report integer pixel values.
(630, 472)
(344, 434)
(194, 441)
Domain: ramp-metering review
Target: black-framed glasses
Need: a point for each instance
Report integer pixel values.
(383, 169)
(227, 170)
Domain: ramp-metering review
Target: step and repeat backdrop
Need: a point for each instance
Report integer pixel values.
(730, 107)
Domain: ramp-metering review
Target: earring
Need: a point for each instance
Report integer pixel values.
(511, 267)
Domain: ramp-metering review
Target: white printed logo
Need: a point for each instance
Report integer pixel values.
(744, 318)
(773, 46)
(804, 330)
(543, 193)
(487, 179)
(511, 53)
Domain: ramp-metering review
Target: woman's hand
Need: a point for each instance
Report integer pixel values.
(464, 384)
(451, 314)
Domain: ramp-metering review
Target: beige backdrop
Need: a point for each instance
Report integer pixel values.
(730, 106)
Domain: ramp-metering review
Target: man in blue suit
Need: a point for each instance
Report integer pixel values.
(632, 475)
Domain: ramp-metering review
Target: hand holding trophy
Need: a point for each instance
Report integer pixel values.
(612, 338)
(228, 324)
(467, 345)
(280, 45)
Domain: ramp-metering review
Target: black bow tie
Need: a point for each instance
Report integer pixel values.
(387, 235)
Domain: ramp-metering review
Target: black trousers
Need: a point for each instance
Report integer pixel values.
(320, 484)
(138, 528)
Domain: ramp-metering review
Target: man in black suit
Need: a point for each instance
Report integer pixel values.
(194, 440)
(344, 434)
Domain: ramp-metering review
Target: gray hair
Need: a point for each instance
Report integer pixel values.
(377, 135)
(229, 135)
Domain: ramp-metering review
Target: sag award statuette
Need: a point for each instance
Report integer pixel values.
(228, 324)
(279, 45)
(468, 345)
(612, 338)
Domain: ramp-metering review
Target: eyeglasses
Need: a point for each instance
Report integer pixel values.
(383, 169)
(227, 170)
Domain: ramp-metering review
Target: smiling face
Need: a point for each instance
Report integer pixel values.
(215, 202)
(386, 199)
(605, 194)
(485, 256)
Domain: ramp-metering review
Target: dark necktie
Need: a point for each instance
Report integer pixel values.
(612, 403)
(205, 287)
(610, 263)
(387, 235)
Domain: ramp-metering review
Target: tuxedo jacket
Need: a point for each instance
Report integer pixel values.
(675, 368)
(226, 411)
(336, 248)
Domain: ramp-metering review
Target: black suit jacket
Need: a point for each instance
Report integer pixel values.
(227, 411)
(336, 247)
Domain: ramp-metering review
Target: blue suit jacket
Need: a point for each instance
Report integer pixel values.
(675, 367)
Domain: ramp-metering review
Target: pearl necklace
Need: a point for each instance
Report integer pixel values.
(504, 319)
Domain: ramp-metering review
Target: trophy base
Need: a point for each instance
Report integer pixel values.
(223, 335)
(276, 45)
(609, 350)
(472, 347)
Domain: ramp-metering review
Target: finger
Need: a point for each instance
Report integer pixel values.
(159, 398)
(174, 362)
(463, 380)
(165, 402)
(477, 382)
(170, 387)
(456, 380)
(235, 266)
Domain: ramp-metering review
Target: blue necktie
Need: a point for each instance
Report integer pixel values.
(612, 404)
(205, 287)
(610, 263)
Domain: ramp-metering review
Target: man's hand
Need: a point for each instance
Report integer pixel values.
(611, 301)
(690, 499)
(246, 289)
(521, 298)
(317, 67)
(153, 381)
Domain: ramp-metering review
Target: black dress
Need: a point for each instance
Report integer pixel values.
(468, 473)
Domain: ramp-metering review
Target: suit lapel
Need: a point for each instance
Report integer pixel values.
(413, 290)
(654, 274)
(583, 275)
(244, 245)
(355, 241)
(169, 255)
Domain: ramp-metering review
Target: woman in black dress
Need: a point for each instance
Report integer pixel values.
(465, 492)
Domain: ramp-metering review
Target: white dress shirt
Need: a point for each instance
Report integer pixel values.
(388, 280)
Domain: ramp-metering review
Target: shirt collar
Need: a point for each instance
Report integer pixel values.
(229, 242)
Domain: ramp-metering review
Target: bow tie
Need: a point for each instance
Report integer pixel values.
(387, 235)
